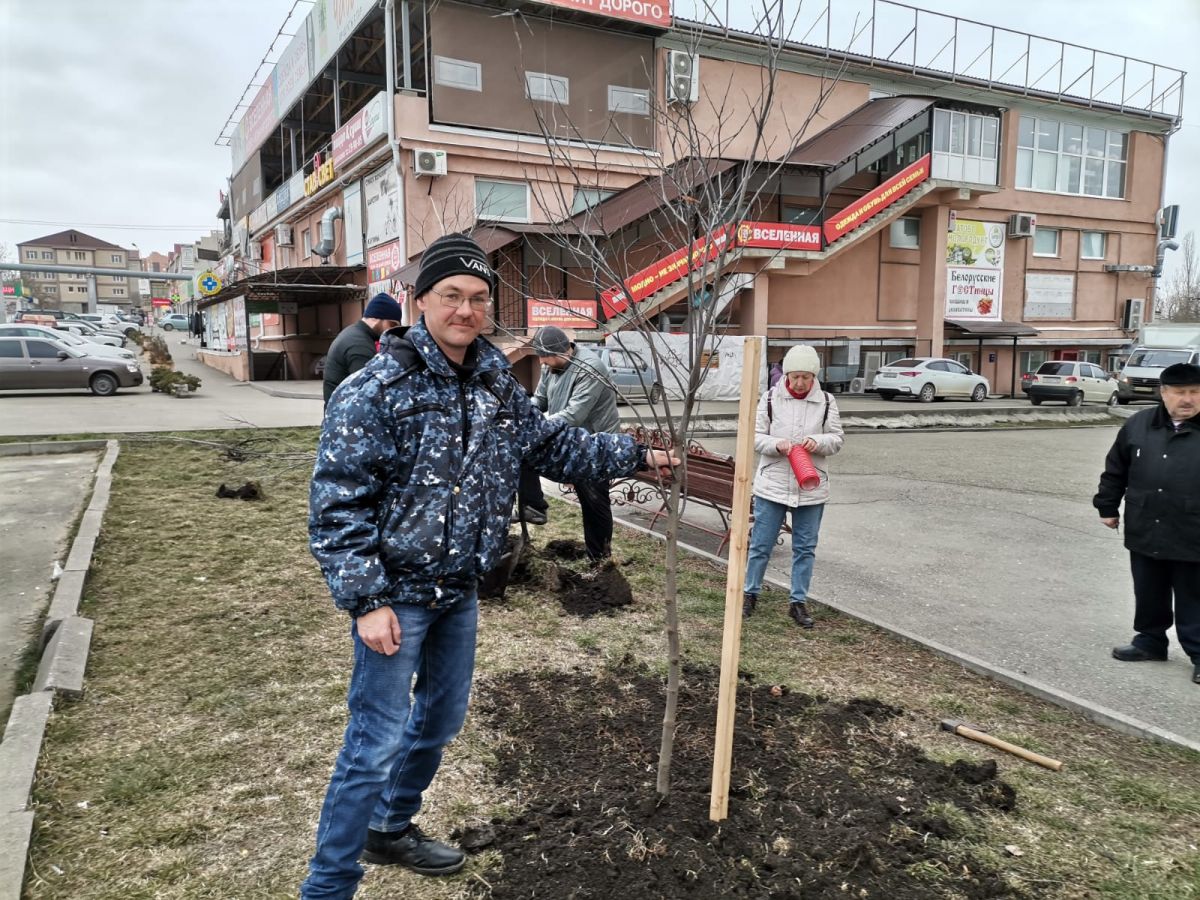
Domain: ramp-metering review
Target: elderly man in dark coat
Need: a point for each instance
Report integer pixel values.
(1155, 465)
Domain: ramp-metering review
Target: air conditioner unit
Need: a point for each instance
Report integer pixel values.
(256, 251)
(429, 162)
(1022, 225)
(283, 235)
(1131, 319)
(683, 77)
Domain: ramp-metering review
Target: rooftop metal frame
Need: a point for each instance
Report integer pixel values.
(900, 38)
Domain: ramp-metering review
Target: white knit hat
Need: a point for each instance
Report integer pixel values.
(801, 358)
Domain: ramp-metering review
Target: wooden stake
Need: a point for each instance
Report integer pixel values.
(739, 546)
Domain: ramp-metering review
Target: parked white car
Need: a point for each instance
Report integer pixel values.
(1072, 382)
(91, 348)
(89, 332)
(929, 378)
(109, 322)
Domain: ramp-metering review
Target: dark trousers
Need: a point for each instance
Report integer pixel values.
(529, 489)
(596, 506)
(1154, 581)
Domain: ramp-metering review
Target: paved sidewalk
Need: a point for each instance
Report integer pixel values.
(986, 545)
(42, 495)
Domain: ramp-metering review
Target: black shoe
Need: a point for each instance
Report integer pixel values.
(414, 850)
(749, 601)
(1196, 673)
(532, 516)
(798, 613)
(1134, 653)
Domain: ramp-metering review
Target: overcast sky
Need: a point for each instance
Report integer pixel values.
(110, 109)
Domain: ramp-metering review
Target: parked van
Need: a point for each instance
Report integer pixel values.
(1160, 346)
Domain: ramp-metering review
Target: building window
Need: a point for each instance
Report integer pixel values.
(50, 288)
(548, 88)
(31, 254)
(906, 233)
(306, 239)
(1045, 242)
(116, 257)
(1092, 245)
(586, 198)
(964, 358)
(78, 254)
(502, 201)
(457, 73)
(803, 215)
(47, 254)
(1031, 360)
(1070, 159)
(629, 100)
(966, 146)
(120, 292)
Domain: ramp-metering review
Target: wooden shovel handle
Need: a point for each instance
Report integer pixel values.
(984, 738)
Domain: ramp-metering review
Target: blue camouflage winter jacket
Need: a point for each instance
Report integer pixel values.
(417, 469)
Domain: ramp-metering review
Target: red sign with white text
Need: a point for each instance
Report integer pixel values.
(649, 12)
(666, 271)
(877, 200)
(778, 236)
(563, 313)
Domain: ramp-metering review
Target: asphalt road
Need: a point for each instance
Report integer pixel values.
(42, 495)
(987, 542)
(221, 402)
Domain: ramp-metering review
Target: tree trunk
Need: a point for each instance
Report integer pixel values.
(667, 745)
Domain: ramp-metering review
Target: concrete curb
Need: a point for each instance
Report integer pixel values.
(19, 751)
(1101, 715)
(39, 448)
(66, 642)
(263, 387)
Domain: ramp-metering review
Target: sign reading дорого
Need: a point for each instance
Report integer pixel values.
(649, 12)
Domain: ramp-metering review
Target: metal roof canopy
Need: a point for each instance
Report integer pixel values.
(973, 328)
(315, 284)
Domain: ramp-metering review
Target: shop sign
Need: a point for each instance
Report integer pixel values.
(13, 289)
(360, 131)
(383, 262)
(1049, 295)
(381, 200)
(648, 12)
(666, 271)
(974, 270)
(322, 174)
(779, 236)
(561, 313)
(876, 201)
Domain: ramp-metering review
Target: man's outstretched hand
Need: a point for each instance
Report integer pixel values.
(661, 459)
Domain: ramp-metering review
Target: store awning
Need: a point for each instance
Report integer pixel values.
(981, 328)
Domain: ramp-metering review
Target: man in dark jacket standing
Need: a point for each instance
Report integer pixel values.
(414, 481)
(354, 347)
(1155, 465)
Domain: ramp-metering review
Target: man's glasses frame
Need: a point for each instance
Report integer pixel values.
(454, 300)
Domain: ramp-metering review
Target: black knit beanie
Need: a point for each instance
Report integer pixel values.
(453, 254)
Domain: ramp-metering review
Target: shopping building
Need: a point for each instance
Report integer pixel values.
(996, 205)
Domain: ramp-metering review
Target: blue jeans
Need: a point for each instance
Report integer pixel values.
(392, 746)
(768, 519)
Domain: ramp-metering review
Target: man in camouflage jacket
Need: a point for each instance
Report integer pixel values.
(416, 470)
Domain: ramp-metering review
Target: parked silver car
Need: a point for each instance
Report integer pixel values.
(631, 374)
(34, 363)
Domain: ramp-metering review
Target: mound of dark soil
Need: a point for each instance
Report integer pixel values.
(826, 801)
(602, 590)
(565, 549)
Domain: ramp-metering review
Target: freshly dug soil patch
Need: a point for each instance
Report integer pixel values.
(564, 549)
(602, 590)
(826, 800)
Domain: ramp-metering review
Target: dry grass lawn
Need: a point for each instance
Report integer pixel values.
(195, 764)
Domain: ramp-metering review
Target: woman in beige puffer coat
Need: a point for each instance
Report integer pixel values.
(795, 411)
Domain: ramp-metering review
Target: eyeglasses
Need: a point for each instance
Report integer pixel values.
(453, 300)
